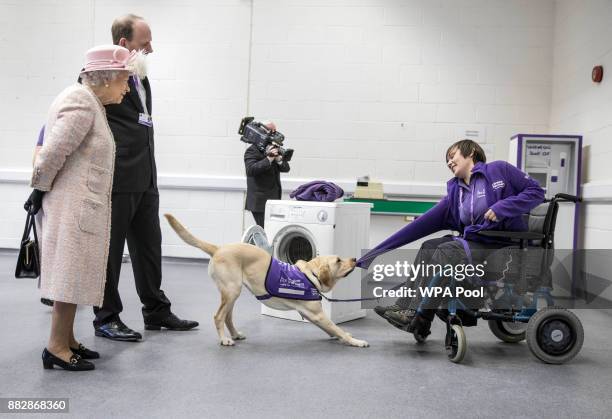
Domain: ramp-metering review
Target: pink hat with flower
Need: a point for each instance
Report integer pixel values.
(108, 57)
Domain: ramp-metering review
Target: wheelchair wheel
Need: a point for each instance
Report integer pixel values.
(554, 335)
(456, 345)
(508, 331)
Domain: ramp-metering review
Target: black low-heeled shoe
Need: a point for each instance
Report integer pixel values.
(47, 302)
(76, 362)
(85, 353)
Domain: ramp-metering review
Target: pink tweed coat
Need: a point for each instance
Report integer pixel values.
(75, 166)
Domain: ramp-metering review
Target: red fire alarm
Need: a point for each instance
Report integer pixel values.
(597, 74)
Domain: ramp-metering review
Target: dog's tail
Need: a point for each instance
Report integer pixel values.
(190, 238)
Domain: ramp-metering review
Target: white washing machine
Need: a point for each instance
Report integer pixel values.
(303, 230)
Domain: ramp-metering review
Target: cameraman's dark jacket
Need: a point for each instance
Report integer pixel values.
(263, 179)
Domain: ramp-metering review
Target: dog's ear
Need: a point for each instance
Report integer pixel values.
(324, 276)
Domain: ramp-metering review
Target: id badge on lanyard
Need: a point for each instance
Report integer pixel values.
(145, 119)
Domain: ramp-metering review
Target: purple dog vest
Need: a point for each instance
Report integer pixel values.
(284, 280)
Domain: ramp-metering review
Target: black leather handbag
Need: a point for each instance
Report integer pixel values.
(28, 262)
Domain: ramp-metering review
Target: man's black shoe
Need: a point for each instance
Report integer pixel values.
(172, 322)
(117, 330)
(381, 310)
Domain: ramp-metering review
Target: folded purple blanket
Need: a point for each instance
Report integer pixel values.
(317, 190)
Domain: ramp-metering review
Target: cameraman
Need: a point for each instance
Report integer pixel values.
(263, 170)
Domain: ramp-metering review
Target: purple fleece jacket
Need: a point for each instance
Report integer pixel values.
(317, 190)
(510, 194)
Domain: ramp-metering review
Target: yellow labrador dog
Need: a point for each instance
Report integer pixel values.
(233, 265)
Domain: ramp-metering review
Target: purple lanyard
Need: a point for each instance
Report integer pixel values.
(471, 202)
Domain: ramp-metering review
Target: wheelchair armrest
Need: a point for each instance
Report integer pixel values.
(514, 235)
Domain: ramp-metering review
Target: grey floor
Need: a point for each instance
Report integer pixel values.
(289, 369)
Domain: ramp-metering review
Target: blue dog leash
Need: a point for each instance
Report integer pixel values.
(338, 300)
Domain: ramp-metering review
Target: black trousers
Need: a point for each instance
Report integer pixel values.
(259, 218)
(135, 217)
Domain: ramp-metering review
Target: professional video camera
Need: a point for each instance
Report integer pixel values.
(254, 132)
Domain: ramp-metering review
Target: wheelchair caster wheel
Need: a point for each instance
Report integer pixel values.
(555, 335)
(507, 331)
(456, 345)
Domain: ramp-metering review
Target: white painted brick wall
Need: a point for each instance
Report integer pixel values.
(581, 41)
(199, 75)
(357, 86)
(434, 64)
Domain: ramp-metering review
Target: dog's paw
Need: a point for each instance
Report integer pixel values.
(359, 343)
(239, 336)
(226, 342)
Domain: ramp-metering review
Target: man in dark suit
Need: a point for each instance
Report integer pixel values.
(263, 169)
(135, 202)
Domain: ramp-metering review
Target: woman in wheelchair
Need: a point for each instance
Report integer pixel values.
(480, 196)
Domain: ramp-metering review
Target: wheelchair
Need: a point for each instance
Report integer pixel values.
(554, 335)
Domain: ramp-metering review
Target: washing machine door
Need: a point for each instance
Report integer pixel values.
(293, 243)
(256, 236)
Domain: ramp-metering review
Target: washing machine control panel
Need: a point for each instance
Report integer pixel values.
(299, 214)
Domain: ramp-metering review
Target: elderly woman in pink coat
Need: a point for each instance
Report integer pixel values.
(72, 181)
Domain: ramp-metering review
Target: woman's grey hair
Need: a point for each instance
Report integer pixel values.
(99, 78)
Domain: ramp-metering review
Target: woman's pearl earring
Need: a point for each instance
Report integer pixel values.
(106, 85)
